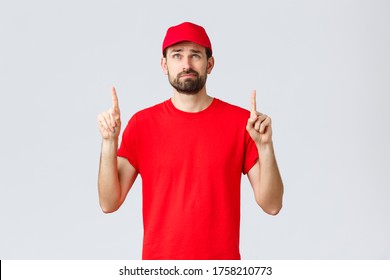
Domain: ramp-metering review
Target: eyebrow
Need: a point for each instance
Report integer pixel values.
(181, 50)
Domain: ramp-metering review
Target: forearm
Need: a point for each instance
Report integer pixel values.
(269, 190)
(108, 179)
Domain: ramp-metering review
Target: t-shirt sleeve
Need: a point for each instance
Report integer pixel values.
(128, 146)
(251, 154)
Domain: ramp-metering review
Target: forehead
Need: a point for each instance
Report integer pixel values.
(186, 46)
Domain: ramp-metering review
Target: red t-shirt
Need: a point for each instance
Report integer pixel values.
(191, 166)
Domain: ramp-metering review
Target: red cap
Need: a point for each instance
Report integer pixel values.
(186, 31)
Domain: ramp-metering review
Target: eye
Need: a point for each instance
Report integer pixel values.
(176, 56)
(197, 56)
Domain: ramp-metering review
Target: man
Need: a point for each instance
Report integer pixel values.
(190, 152)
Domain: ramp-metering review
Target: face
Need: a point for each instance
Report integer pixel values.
(187, 66)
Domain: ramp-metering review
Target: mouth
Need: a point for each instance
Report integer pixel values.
(186, 76)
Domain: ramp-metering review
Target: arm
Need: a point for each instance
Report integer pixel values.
(264, 176)
(266, 181)
(116, 177)
(116, 174)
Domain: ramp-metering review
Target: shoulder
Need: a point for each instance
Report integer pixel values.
(232, 109)
(144, 116)
(148, 112)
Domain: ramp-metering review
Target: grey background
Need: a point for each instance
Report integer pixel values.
(321, 70)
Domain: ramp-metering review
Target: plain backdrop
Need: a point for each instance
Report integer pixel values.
(321, 70)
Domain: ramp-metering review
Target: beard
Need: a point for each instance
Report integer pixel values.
(188, 86)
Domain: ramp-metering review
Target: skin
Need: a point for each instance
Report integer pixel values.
(117, 175)
(264, 176)
(188, 56)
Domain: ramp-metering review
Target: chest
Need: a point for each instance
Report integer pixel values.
(206, 144)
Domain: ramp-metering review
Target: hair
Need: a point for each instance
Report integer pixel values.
(209, 53)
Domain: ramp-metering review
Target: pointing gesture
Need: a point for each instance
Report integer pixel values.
(259, 125)
(110, 121)
(115, 100)
(253, 102)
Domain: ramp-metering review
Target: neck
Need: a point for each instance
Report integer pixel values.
(191, 103)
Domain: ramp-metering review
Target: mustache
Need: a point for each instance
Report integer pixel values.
(188, 71)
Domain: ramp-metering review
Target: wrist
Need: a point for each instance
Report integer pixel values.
(265, 147)
(109, 144)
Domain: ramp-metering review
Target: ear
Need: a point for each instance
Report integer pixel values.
(164, 65)
(210, 64)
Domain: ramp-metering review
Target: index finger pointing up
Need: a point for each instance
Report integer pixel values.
(253, 101)
(114, 100)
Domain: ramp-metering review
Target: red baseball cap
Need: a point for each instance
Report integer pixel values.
(186, 31)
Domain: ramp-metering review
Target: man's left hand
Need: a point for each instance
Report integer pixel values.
(259, 125)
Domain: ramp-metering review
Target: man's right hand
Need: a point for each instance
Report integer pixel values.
(116, 174)
(110, 121)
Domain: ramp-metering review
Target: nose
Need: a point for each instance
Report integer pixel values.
(186, 63)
